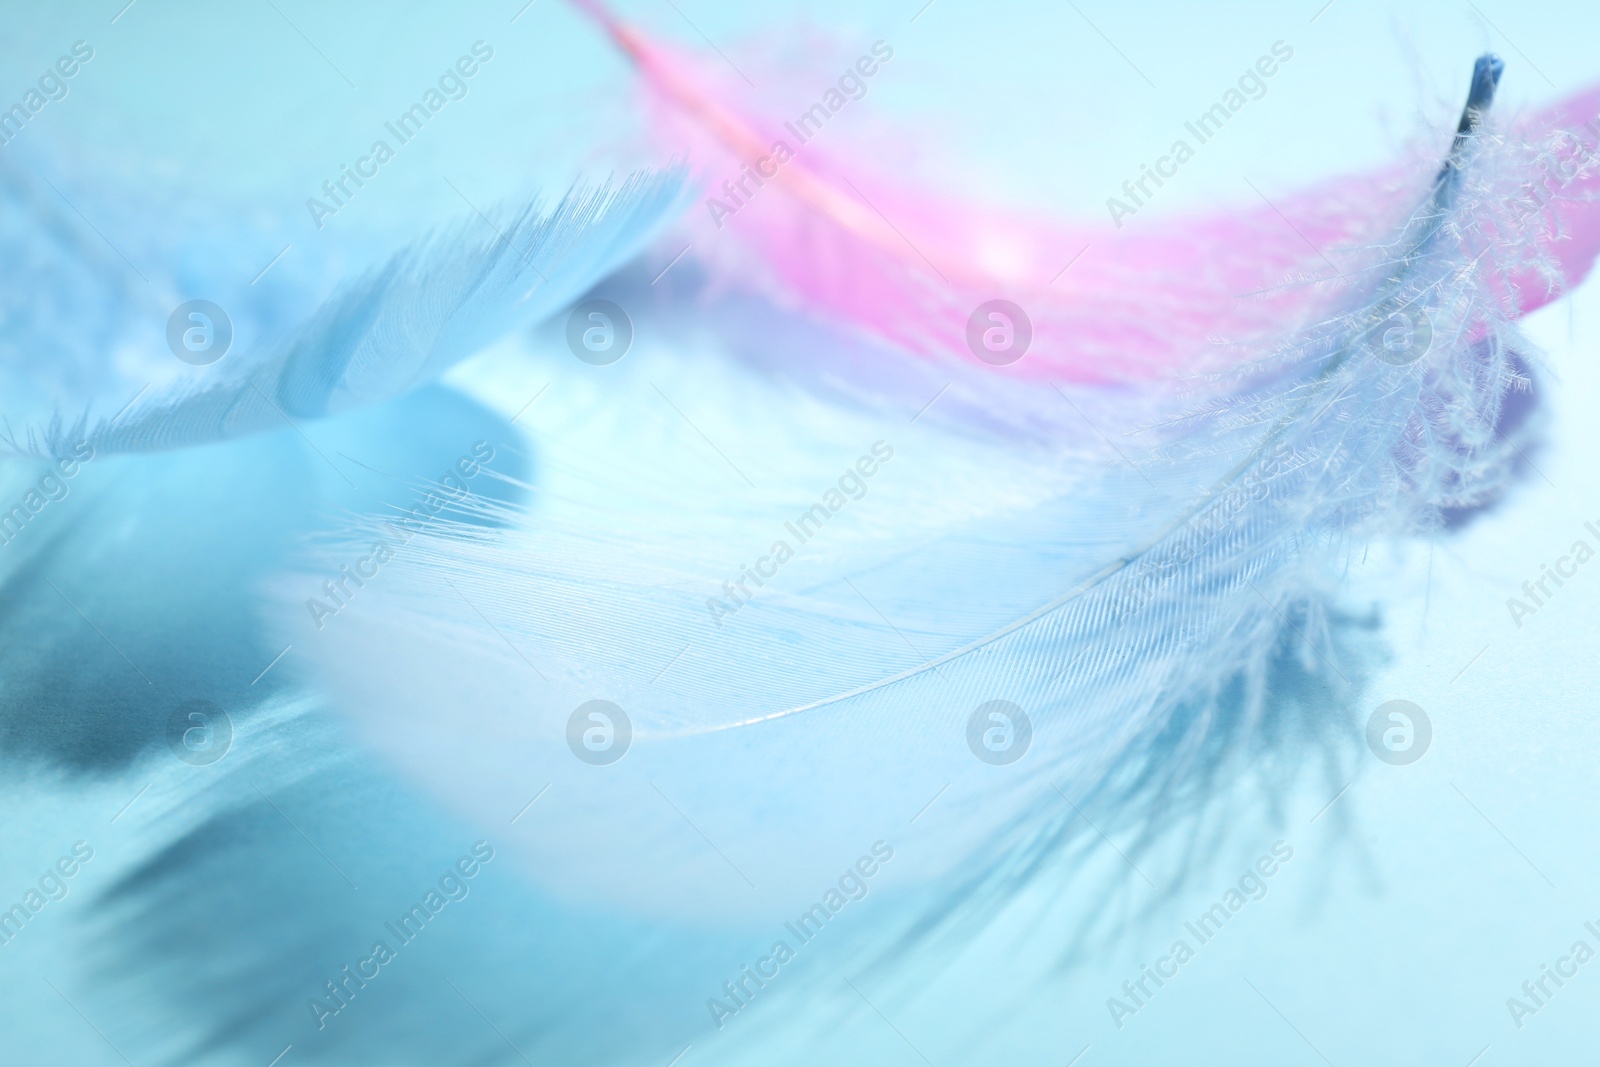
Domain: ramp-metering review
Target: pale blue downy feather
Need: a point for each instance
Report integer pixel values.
(396, 326)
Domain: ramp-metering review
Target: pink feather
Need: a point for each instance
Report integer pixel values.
(911, 267)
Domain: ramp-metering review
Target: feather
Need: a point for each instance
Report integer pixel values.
(914, 268)
(398, 325)
(807, 613)
(1108, 584)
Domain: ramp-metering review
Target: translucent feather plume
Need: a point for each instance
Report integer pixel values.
(909, 266)
(397, 326)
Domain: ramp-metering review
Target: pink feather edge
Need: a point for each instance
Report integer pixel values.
(910, 267)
